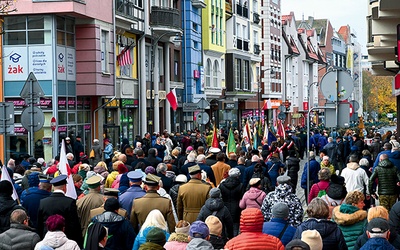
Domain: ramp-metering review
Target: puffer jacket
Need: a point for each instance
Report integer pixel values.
(252, 198)
(293, 167)
(231, 190)
(216, 207)
(121, 230)
(283, 193)
(332, 237)
(19, 236)
(351, 220)
(177, 241)
(387, 175)
(58, 241)
(141, 237)
(377, 244)
(251, 236)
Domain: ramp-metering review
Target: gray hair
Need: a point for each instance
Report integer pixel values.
(161, 168)
(324, 174)
(363, 162)
(200, 158)
(191, 157)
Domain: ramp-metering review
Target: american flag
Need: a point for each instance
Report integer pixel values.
(124, 58)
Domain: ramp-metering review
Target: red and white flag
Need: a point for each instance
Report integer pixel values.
(6, 177)
(173, 100)
(65, 169)
(124, 58)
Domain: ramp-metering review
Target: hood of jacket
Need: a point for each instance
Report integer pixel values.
(324, 227)
(55, 239)
(346, 214)
(214, 204)
(253, 193)
(282, 190)
(199, 244)
(385, 164)
(6, 204)
(231, 182)
(178, 237)
(353, 165)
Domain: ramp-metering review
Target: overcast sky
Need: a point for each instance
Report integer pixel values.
(339, 13)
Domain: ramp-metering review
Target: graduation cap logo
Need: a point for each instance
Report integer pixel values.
(61, 57)
(15, 57)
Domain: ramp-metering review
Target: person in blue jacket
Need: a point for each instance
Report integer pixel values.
(314, 169)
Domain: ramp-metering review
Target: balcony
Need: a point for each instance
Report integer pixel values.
(199, 4)
(256, 18)
(126, 8)
(164, 18)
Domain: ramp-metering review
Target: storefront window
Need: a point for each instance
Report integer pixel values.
(27, 30)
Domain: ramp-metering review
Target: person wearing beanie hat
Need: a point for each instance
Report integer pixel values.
(278, 226)
(118, 226)
(234, 172)
(297, 244)
(254, 197)
(313, 239)
(173, 192)
(283, 193)
(179, 240)
(215, 227)
(251, 236)
(92, 200)
(215, 206)
(199, 234)
(155, 240)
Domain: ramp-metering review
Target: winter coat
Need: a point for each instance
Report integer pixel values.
(394, 240)
(394, 217)
(322, 185)
(293, 167)
(251, 236)
(283, 193)
(141, 237)
(199, 244)
(126, 199)
(217, 242)
(98, 154)
(173, 192)
(58, 241)
(7, 206)
(377, 244)
(231, 190)
(119, 228)
(330, 166)
(314, 168)
(332, 237)
(355, 178)
(177, 241)
(191, 198)
(252, 198)
(387, 175)
(275, 227)
(19, 236)
(394, 157)
(31, 202)
(273, 167)
(220, 169)
(216, 207)
(351, 220)
(376, 162)
(331, 149)
(150, 246)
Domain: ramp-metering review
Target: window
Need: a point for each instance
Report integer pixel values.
(127, 69)
(238, 70)
(246, 75)
(22, 30)
(65, 31)
(104, 51)
(215, 74)
(148, 62)
(160, 61)
(208, 73)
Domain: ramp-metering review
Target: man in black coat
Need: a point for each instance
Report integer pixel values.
(58, 203)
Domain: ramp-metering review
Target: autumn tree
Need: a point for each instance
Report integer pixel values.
(6, 6)
(377, 94)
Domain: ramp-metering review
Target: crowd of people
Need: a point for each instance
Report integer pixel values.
(184, 191)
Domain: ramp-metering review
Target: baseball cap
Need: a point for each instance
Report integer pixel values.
(199, 229)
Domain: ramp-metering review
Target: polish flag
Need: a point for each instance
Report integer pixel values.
(173, 101)
(65, 169)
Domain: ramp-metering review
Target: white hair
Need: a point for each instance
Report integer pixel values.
(191, 157)
(70, 156)
(200, 158)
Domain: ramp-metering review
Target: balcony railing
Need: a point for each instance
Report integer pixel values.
(164, 16)
(126, 7)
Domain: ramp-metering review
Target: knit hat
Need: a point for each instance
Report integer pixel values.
(150, 170)
(283, 179)
(313, 239)
(6, 188)
(156, 235)
(182, 229)
(214, 224)
(215, 193)
(251, 220)
(111, 204)
(280, 210)
(298, 244)
(199, 229)
(234, 172)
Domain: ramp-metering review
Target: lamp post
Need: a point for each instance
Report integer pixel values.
(154, 51)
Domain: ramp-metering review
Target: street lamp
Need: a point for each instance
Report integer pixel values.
(153, 57)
